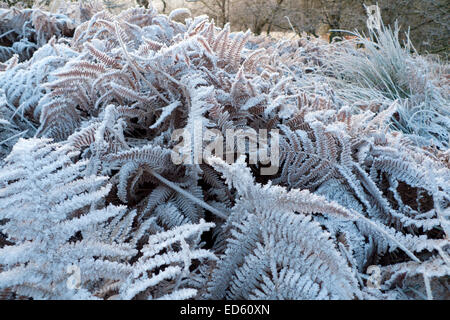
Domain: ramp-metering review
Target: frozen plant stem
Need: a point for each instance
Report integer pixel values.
(186, 194)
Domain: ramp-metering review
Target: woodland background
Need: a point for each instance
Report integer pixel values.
(426, 20)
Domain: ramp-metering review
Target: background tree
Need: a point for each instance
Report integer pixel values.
(217, 9)
(427, 20)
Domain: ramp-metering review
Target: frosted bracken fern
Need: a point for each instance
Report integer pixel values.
(94, 181)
